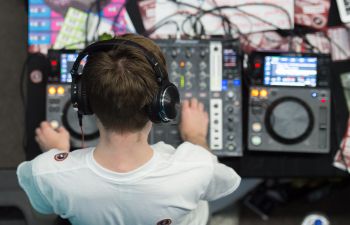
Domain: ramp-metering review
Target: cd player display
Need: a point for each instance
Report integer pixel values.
(290, 71)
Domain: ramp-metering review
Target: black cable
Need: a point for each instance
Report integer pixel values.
(161, 22)
(194, 24)
(237, 7)
(189, 17)
(149, 32)
(223, 21)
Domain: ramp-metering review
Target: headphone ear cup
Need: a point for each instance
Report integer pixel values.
(80, 97)
(166, 104)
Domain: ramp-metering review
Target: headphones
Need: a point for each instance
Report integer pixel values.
(165, 104)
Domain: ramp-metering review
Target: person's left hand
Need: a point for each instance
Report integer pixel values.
(49, 138)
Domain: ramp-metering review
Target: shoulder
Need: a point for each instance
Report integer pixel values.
(186, 152)
(189, 152)
(55, 161)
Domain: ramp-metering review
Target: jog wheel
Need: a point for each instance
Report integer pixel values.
(70, 121)
(289, 120)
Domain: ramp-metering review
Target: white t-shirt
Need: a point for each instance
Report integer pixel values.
(173, 187)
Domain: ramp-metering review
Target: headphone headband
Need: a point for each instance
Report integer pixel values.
(107, 45)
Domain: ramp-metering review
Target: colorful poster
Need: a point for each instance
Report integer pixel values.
(46, 18)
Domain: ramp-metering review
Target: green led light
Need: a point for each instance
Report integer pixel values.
(182, 81)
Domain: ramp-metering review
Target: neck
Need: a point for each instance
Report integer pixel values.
(123, 152)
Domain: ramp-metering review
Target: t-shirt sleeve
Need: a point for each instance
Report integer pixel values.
(224, 181)
(29, 184)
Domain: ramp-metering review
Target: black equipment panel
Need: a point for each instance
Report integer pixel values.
(289, 105)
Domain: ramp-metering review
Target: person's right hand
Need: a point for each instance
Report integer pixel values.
(194, 122)
(49, 138)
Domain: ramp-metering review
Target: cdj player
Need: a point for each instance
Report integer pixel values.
(289, 104)
(59, 110)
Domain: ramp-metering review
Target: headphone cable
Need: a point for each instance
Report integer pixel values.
(80, 118)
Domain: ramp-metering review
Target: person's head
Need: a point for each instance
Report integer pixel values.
(121, 83)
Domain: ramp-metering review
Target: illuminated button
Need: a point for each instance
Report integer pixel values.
(231, 147)
(255, 93)
(263, 93)
(257, 65)
(53, 62)
(230, 94)
(314, 94)
(60, 90)
(256, 140)
(182, 64)
(52, 90)
(54, 124)
(323, 100)
(256, 127)
(182, 81)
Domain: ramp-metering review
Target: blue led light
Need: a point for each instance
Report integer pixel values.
(224, 85)
(236, 82)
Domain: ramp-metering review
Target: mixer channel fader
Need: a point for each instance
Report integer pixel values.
(211, 72)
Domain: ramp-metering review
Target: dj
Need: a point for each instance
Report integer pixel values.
(124, 180)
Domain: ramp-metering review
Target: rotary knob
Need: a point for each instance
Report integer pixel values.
(202, 75)
(188, 85)
(231, 137)
(229, 109)
(202, 85)
(188, 65)
(203, 53)
(174, 65)
(202, 65)
(174, 52)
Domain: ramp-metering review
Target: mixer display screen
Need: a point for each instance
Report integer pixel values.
(67, 61)
(230, 58)
(290, 71)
